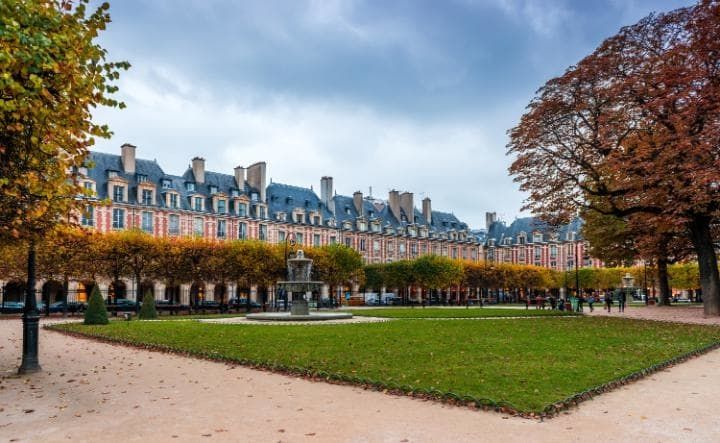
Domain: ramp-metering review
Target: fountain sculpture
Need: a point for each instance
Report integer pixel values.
(298, 284)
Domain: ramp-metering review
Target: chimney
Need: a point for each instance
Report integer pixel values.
(326, 193)
(427, 210)
(490, 218)
(358, 202)
(128, 158)
(240, 177)
(406, 203)
(198, 168)
(256, 178)
(394, 203)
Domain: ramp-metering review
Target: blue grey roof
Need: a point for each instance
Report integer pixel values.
(499, 231)
(285, 198)
(101, 163)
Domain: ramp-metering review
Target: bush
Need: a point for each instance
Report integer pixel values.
(147, 311)
(96, 314)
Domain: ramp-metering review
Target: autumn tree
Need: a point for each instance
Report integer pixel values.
(632, 129)
(54, 74)
(338, 265)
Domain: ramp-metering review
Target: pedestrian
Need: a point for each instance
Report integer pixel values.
(608, 301)
(527, 303)
(580, 301)
(552, 303)
(621, 301)
(591, 301)
(538, 301)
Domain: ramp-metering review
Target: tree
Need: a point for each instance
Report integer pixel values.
(53, 75)
(96, 313)
(148, 311)
(337, 265)
(632, 130)
(436, 272)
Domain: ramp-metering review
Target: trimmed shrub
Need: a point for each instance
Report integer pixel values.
(148, 311)
(96, 313)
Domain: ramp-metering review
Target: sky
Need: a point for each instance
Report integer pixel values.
(410, 95)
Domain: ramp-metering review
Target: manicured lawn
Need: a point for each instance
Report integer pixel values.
(530, 363)
(456, 312)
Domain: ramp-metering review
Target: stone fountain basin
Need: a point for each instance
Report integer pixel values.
(286, 316)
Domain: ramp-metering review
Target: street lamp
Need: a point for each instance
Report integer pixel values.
(628, 283)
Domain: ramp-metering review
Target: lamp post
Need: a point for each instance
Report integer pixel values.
(645, 288)
(30, 320)
(628, 283)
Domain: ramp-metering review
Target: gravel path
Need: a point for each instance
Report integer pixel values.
(90, 391)
(682, 314)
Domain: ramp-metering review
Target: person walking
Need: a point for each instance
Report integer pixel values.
(580, 301)
(591, 301)
(608, 301)
(621, 301)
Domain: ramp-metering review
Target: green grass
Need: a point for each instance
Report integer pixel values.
(528, 363)
(457, 312)
(198, 316)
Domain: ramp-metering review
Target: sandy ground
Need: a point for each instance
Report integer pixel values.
(683, 314)
(90, 391)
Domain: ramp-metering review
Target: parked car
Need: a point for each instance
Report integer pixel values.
(72, 307)
(208, 304)
(242, 302)
(12, 307)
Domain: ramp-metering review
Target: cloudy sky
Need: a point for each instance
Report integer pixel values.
(410, 95)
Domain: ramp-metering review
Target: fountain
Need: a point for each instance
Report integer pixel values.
(298, 284)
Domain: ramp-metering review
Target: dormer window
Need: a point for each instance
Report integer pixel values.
(370, 214)
(347, 210)
(234, 193)
(521, 238)
(242, 209)
(190, 187)
(221, 206)
(491, 242)
(198, 203)
(166, 184)
(571, 236)
(147, 197)
(141, 178)
(112, 174)
(254, 196)
(537, 237)
(213, 189)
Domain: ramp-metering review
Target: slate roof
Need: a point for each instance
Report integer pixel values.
(499, 231)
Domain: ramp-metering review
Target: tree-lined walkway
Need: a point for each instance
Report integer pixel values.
(681, 314)
(90, 391)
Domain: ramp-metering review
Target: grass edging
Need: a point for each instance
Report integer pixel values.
(447, 397)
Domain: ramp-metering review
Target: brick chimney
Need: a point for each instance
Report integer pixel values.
(427, 210)
(358, 202)
(256, 178)
(326, 193)
(127, 153)
(198, 168)
(240, 177)
(490, 218)
(406, 203)
(394, 203)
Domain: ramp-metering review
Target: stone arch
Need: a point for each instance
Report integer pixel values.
(83, 291)
(116, 290)
(146, 285)
(197, 293)
(172, 294)
(220, 293)
(14, 291)
(52, 291)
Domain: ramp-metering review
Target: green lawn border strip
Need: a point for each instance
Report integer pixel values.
(447, 397)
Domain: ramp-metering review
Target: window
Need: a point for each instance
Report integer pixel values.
(234, 193)
(112, 174)
(174, 200)
(88, 216)
(141, 178)
(538, 253)
(242, 210)
(118, 220)
(299, 238)
(348, 242)
(198, 226)
(316, 240)
(262, 211)
(316, 220)
(174, 224)
(147, 221)
(376, 245)
(298, 218)
(333, 239)
(281, 236)
(190, 187)
(413, 249)
(197, 203)
(166, 184)
(118, 193)
(213, 189)
(242, 230)
(362, 244)
(537, 237)
(88, 186)
(147, 197)
(402, 248)
(221, 206)
(262, 233)
(221, 225)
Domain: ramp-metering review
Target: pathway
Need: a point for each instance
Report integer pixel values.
(90, 391)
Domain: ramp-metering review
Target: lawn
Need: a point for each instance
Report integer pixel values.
(528, 363)
(457, 312)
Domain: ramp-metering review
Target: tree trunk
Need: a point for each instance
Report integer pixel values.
(663, 281)
(707, 263)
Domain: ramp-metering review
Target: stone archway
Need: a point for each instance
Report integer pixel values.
(52, 291)
(14, 291)
(197, 293)
(172, 294)
(83, 292)
(116, 290)
(146, 286)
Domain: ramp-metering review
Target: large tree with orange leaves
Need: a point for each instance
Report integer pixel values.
(633, 129)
